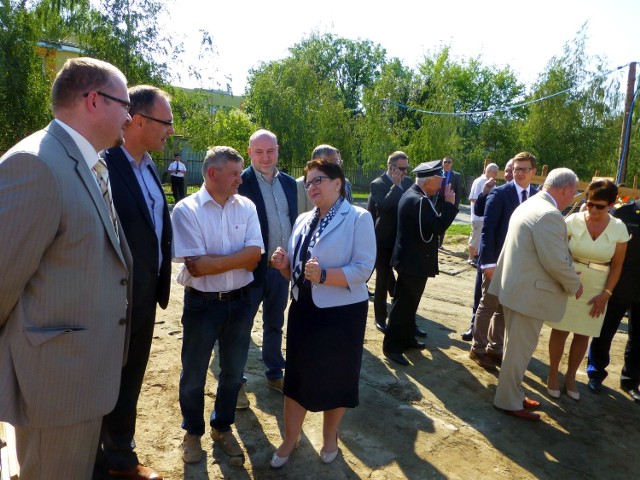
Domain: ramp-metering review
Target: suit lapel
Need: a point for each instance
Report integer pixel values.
(336, 220)
(90, 183)
(121, 164)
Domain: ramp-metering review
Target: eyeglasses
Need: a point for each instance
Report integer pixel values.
(125, 104)
(522, 169)
(402, 169)
(596, 205)
(447, 161)
(168, 123)
(315, 182)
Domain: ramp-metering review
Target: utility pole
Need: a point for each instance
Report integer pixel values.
(626, 126)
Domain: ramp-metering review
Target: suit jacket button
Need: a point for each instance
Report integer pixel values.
(124, 281)
(123, 321)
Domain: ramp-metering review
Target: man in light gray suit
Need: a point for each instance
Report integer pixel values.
(533, 280)
(65, 276)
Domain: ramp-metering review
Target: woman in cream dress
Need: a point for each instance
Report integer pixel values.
(597, 242)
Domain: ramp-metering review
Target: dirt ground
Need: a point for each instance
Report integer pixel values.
(433, 419)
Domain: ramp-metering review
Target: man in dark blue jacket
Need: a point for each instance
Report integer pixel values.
(142, 209)
(274, 194)
(488, 329)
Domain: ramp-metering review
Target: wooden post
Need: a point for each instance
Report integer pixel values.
(626, 132)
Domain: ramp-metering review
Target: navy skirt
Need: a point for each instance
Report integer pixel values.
(324, 353)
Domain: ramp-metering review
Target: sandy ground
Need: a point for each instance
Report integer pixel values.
(433, 419)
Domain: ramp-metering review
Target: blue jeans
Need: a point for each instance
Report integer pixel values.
(207, 321)
(273, 293)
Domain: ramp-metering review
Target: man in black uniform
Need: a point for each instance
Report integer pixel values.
(625, 296)
(415, 255)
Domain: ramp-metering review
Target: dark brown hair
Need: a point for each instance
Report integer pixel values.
(602, 189)
(330, 169)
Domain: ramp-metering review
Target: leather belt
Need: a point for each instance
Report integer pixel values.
(219, 296)
(602, 267)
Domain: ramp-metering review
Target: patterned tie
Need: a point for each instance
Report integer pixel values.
(524, 196)
(102, 175)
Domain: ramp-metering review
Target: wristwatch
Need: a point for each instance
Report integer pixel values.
(323, 275)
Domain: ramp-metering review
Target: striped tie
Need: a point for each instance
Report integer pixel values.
(102, 175)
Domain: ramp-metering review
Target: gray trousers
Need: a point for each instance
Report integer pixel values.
(488, 328)
(54, 453)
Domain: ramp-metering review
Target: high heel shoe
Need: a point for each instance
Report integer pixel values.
(553, 393)
(571, 394)
(277, 461)
(328, 457)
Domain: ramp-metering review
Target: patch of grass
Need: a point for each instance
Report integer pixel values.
(459, 229)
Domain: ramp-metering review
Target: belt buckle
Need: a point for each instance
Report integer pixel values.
(221, 296)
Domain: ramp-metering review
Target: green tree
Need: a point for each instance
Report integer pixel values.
(463, 87)
(579, 129)
(350, 65)
(304, 110)
(24, 98)
(125, 33)
(386, 127)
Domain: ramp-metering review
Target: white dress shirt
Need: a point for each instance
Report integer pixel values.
(201, 226)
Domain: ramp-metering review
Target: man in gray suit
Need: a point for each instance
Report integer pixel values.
(533, 280)
(65, 276)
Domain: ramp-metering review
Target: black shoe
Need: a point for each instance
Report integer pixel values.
(398, 358)
(418, 345)
(632, 391)
(468, 335)
(595, 385)
(381, 326)
(420, 333)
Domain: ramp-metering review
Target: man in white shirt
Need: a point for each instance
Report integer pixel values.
(491, 171)
(177, 169)
(217, 237)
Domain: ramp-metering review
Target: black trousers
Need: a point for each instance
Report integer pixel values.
(385, 282)
(177, 188)
(598, 359)
(116, 450)
(401, 331)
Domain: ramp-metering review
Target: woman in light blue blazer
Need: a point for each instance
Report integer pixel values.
(331, 254)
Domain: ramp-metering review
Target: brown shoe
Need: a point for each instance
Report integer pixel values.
(139, 472)
(242, 402)
(192, 449)
(495, 357)
(483, 360)
(277, 384)
(229, 445)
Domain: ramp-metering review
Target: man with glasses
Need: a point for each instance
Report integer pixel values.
(177, 169)
(449, 177)
(142, 209)
(488, 328)
(386, 191)
(66, 271)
